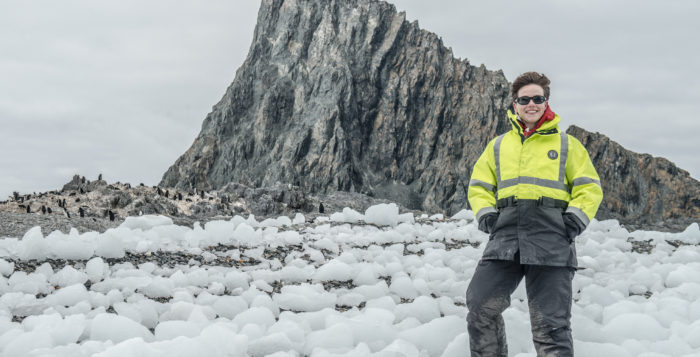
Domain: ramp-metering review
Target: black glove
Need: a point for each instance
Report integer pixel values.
(574, 226)
(487, 221)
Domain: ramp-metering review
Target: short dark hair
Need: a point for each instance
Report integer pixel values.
(530, 78)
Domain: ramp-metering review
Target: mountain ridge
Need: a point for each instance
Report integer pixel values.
(349, 96)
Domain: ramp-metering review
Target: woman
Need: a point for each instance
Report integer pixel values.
(534, 189)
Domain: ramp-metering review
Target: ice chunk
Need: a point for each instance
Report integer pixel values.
(688, 273)
(436, 334)
(96, 269)
(110, 245)
(146, 222)
(159, 287)
(464, 214)
(23, 343)
(68, 276)
(423, 308)
(383, 214)
(634, 326)
(255, 315)
(304, 297)
(584, 348)
(692, 334)
(333, 270)
(229, 306)
(407, 218)
(33, 245)
(111, 327)
(168, 330)
(332, 338)
(246, 235)
(6, 268)
(403, 287)
(458, 345)
(348, 215)
(69, 296)
(366, 276)
(402, 348)
(266, 345)
(299, 219)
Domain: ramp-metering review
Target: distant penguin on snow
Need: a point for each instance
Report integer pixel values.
(321, 209)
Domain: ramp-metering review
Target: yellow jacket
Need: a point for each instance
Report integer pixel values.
(549, 164)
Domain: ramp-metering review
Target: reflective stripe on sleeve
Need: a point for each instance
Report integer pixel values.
(584, 181)
(483, 184)
(484, 211)
(582, 216)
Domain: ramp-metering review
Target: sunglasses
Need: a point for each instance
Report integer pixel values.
(538, 99)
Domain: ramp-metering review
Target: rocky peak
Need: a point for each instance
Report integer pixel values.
(349, 96)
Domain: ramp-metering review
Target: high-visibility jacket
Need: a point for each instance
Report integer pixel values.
(531, 182)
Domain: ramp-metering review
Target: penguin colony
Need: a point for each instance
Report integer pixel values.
(80, 200)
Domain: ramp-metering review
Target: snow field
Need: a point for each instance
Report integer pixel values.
(337, 287)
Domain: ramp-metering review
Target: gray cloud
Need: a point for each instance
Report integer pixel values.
(122, 88)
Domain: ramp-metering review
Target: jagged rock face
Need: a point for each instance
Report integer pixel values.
(348, 96)
(641, 190)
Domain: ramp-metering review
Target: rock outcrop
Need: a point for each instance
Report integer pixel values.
(349, 96)
(641, 191)
(98, 206)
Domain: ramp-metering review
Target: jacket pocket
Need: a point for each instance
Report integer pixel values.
(507, 221)
(547, 221)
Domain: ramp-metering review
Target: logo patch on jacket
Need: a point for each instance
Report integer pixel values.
(552, 154)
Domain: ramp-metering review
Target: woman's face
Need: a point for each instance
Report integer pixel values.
(530, 113)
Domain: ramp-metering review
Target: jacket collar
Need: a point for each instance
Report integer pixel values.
(550, 126)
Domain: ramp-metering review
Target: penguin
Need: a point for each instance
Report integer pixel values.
(82, 180)
(81, 191)
(179, 196)
(64, 203)
(99, 177)
(321, 209)
(66, 212)
(160, 192)
(201, 194)
(82, 212)
(43, 209)
(111, 216)
(48, 210)
(60, 203)
(167, 193)
(29, 209)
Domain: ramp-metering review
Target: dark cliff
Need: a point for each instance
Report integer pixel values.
(349, 96)
(641, 191)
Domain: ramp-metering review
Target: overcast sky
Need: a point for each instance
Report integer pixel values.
(121, 88)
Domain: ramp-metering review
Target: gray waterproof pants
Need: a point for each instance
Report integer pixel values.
(549, 300)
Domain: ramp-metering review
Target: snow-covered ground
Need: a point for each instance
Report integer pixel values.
(352, 284)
